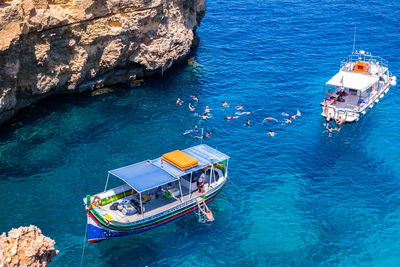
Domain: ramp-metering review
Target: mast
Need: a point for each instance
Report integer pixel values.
(354, 39)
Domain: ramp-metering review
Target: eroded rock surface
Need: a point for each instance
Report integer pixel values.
(66, 46)
(26, 246)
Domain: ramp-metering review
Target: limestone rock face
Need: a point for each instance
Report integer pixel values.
(26, 246)
(67, 46)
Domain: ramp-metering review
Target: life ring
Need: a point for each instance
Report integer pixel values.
(96, 200)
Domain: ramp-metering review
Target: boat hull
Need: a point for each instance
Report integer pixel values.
(97, 231)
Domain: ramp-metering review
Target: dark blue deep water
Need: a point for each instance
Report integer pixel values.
(299, 198)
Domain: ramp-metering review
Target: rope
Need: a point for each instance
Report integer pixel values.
(233, 183)
(84, 243)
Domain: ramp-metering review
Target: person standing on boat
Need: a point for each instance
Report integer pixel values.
(200, 182)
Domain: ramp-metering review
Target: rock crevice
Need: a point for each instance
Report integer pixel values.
(66, 46)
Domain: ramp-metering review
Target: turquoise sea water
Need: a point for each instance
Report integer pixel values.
(299, 198)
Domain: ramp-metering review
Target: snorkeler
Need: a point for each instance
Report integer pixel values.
(205, 136)
(271, 133)
(231, 117)
(270, 118)
(240, 107)
(225, 104)
(243, 113)
(179, 101)
(191, 107)
(194, 129)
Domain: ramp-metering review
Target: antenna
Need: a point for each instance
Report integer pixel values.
(354, 40)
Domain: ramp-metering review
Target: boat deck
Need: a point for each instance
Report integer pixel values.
(157, 205)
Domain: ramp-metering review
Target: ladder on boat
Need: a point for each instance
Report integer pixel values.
(204, 213)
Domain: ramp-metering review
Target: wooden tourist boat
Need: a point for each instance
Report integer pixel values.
(155, 192)
(363, 79)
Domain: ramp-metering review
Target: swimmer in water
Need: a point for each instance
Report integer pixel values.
(179, 101)
(191, 107)
(328, 119)
(340, 121)
(240, 107)
(271, 133)
(194, 129)
(270, 118)
(205, 136)
(231, 117)
(225, 104)
(288, 120)
(298, 114)
(330, 130)
(247, 123)
(194, 97)
(205, 116)
(243, 113)
(208, 110)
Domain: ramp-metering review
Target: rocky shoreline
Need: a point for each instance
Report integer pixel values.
(52, 47)
(26, 246)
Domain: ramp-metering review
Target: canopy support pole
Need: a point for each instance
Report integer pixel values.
(190, 185)
(141, 204)
(105, 188)
(180, 188)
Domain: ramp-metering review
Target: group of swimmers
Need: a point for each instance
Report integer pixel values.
(206, 115)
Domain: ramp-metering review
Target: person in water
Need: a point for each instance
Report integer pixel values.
(192, 108)
(243, 113)
(288, 120)
(330, 130)
(208, 110)
(270, 118)
(240, 107)
(179, 101)
(295, 116)
(247, 123)
(194, 97)
(271, 133)
(194, 129)
(205, 116)
(340, 121)
(225, 104)
(231, 117)
(205, 136)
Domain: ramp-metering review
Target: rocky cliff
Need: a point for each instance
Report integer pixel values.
(66, 46)
(26, 246)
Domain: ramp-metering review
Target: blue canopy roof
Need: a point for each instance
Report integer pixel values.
(146, 175)
(143, 176)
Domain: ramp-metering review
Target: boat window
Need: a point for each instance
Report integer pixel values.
(352, 92)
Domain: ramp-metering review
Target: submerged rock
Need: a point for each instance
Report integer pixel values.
(101, 91)
(26, 246)
(66, 46)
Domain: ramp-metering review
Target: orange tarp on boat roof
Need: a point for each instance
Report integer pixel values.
(180, 160)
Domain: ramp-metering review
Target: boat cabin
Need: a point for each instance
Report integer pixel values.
(350, 90)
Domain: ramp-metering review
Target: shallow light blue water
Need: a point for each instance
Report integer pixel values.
(300, 198)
